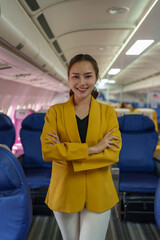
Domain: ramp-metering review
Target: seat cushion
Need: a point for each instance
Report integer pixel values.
(38, 177)
(137, 182)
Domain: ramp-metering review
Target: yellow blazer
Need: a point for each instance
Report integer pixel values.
(79, 179)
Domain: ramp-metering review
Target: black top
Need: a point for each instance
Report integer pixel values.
(82, 127)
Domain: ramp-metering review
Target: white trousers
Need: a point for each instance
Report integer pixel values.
(84, 225)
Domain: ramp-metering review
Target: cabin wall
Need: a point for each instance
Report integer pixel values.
(15, 95)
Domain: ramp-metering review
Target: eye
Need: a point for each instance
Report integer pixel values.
(75, 76)
(88, 76)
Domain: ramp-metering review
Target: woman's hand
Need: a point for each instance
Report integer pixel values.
(55, 138)
(106, 142)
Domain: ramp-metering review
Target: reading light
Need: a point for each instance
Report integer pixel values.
(114, 71)
(139, 46)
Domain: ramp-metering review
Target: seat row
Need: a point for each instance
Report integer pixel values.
(36, 170)
(139, 170)
(136, 161)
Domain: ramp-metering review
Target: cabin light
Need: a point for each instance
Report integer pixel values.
(111, 81)
(18, 107)
(29, 106)
(104, 80)
(139, 46)
(108, 81)
(117, 10)
(101, 49)
(102, 84)
(114, 71)
(10, 111)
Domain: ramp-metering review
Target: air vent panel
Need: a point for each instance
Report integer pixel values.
(63, 58)
(57, 47)
(43, 22)
(33, 5)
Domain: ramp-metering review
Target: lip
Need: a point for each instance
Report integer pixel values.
(82, 90)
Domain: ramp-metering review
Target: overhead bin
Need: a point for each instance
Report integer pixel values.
(18, 29)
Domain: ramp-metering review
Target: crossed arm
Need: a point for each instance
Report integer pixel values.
(106, 142)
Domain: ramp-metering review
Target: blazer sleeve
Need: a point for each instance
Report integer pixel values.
(108, 156)
(64, 151)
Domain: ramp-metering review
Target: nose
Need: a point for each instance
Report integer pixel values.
(82, 80)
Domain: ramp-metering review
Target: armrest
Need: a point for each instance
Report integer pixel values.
(157, 167)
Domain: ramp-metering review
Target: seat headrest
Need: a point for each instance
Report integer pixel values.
(135, 123)
(34, 121)
(5, 122)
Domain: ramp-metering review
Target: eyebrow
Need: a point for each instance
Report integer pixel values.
(84, 74)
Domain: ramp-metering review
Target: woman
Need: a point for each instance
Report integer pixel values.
(82, 139)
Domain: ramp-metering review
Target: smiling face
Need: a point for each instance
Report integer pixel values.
(82, 79)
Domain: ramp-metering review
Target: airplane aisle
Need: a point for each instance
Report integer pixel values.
(45, 227)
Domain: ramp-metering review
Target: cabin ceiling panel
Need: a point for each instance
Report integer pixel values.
(144, 84)
(72, 14)
(79, 42)
(102, 59)
(99, 50)
(93, 37)
(144, 66)
(78, 26)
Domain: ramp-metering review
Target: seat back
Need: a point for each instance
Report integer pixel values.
(121, 111)
(157, 205)
(7, 131)
(30, 134)
(15, 199)
(139, 139)
(151, 113)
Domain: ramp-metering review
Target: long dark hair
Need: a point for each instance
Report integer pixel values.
(85, 57)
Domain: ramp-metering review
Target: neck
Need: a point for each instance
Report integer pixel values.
(82, 101)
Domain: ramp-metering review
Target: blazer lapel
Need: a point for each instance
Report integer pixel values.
(93, 123)
(71, 122)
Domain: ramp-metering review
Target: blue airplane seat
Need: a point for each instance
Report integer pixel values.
(37, 171)
(15, 199)
(157, 205)
(136, 161)
(7, 131)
